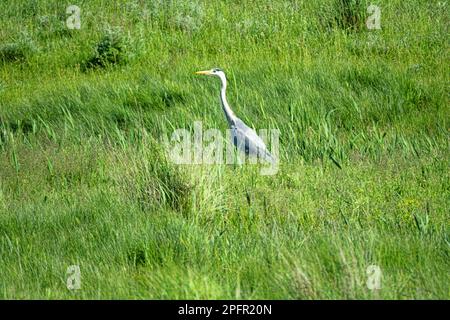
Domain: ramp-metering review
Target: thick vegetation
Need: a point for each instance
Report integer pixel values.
(364, 160)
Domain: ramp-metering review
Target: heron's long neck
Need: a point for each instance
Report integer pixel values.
(226, 107)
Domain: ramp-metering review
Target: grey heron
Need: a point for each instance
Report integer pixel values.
(244, 138)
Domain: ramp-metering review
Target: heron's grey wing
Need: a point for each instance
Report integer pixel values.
(246, 139)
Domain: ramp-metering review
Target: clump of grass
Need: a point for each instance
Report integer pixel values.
(12, 52)
(21, 125)
(17, 51)
(363, 177)
(150, 180)
(137, 256)
(350, 14)
(164, 184)
(189, 17)
(186, 16)
(155, 95)
(112, 49)
(53, 26)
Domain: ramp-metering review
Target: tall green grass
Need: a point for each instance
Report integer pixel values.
(363, 180)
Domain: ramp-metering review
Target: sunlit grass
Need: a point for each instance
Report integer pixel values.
(363, 178)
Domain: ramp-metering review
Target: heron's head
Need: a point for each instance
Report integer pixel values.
(213, 72)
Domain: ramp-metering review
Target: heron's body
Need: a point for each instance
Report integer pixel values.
(243, 137)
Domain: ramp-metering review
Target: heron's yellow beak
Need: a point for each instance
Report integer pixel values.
(206, 72)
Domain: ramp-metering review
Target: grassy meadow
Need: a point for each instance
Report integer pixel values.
(364, 129)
